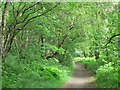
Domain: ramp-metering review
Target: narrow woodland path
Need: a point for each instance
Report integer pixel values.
(82, 78)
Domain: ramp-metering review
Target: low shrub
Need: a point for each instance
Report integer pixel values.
(107, 76)
(106, 72)
(18, 74)
(90, 63)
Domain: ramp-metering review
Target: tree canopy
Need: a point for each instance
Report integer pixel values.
(37, 34)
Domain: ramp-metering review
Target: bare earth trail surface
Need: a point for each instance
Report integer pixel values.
(82, 78)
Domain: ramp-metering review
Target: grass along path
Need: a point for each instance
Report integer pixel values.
(82, 78)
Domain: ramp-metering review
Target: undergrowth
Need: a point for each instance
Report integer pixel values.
(37, 74)
(106, 72)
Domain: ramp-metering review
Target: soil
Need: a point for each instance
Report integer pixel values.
(82, 78)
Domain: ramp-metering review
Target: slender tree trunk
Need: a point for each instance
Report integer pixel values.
(84, 54)
(3, 23)
(96, 55)
(0, 33)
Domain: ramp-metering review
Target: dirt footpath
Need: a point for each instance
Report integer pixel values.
(82, 78)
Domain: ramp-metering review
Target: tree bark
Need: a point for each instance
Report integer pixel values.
(3, 23)
(13, 30)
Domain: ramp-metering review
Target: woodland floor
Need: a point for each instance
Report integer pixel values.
(82, 78)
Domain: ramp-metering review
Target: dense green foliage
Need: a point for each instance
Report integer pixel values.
(41, 39)
(106, 73)
(38, 74)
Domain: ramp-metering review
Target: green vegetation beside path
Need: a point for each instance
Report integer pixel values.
(39, 41)
(107, 75)
(38, 74)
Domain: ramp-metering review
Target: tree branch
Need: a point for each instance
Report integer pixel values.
(29, 8)
(60, 45)
(39, 15)
(3, 17)
(21, 8)
(36, 17)
(112, 38)
(26, 17)
(18, 9)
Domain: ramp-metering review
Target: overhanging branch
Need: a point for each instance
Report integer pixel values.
(112, 38)
(29, 8)
(39, 15)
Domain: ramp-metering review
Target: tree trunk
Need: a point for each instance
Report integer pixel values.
(97, 55)
(3, 24)
(84, 54)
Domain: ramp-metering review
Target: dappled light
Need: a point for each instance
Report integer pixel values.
(59, 45)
